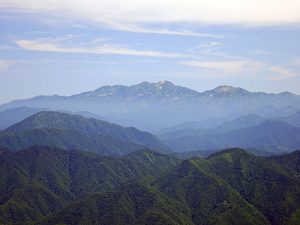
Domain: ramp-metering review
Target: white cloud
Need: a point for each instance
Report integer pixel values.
(282, 73)
(134, 26)
(137, 15)
(242, 66)
(212, 49)
(206, 47)
(228, 67)
(47, 45)
(211, 44)
(4, 64)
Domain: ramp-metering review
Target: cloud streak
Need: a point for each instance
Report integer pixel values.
(232, 67)
(282, 73)
(243, 66)
(136, 15)
(55, 46)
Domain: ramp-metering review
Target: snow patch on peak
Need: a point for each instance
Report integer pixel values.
(228, 89)
(225, 88)
(163, 83)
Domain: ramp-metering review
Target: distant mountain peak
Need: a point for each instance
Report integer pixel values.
(160, 91)
(286, 93)
(228, 89)
(164, 83)
(231, 152)
(225, 90)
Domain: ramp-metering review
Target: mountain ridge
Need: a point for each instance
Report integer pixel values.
(164, 83)
(54, 186)
(222, 189)
(269, 135)
(154, 105)
(74, 131)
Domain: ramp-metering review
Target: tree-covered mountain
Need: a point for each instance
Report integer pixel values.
(231, 187)
(206, 153)
(38, 181)
(264, 182)
(133, 203)
(4, 153)
(12, 116)
(76, 132)
(15, 115)
(153, 106)
(67, 139)
(95, 172)
(209, 198)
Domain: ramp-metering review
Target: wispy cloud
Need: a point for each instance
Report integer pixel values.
(4, 64)
(46, 45)
(143, 29)
(227, 67)
(213, 49)
(243, 66)
(206, 47)
(282, 73)
(137, 15)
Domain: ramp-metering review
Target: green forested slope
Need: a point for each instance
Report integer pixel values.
(41, 180)
(232, 187)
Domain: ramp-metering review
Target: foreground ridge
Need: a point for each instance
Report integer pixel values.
(232, 187)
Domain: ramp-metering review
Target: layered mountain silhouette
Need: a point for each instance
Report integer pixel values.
(63, 130)
(153, 106)
(64, 162)
(76, 132)
(252, 132)
(53, 186)
(270, 135)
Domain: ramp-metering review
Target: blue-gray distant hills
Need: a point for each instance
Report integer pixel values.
(153, 106)
(271, 136)
(278, 135)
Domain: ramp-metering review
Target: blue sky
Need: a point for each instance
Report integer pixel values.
(66, 47)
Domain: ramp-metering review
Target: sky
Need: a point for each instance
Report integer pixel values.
(66, 47)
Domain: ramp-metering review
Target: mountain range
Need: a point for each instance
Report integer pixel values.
(225, 156)
(70, 131)
(43, 185)
(250, 132)
(77, 132)
(153, 106)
